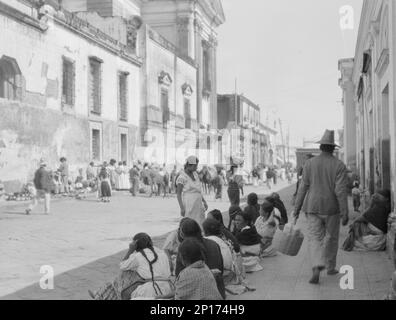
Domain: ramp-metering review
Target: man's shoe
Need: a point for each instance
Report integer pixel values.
(28, 211)
(332, 272)
(315, 276)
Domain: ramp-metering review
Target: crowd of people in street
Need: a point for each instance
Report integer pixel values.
(203, 258)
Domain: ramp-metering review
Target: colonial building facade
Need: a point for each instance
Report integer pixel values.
(248, 138)
(95, 80)
(66, 89)
(371, 84)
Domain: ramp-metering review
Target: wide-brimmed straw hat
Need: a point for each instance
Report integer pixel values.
(328, 139)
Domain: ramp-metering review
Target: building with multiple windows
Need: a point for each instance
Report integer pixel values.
(248, 138)
(67, 89)
(95, 80)
(369, 87)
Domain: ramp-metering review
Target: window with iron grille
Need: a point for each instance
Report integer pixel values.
(187, 113)
(123, 96)
(95, 86)
(96, 145)
(68, 82)
(165, 106)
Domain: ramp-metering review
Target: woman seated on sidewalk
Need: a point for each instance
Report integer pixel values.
(172, 243)
(145, 273)
(212, 231)
(227, 234)
(368, 232)
(234, 274)
(266, 226)
(233, 211)
(250, 242)
(279, 208)
(212, 253)
(196, 281)
(252, 208)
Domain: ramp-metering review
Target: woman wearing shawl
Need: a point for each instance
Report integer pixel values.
(368, 232)
(145, 273)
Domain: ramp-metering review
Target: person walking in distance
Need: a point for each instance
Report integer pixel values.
(42, 183)
(134, 180)
(64, 173)
(323, 197)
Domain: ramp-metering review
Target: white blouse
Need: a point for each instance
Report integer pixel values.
(136, 262)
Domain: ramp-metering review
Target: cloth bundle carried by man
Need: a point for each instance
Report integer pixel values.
(289, 240)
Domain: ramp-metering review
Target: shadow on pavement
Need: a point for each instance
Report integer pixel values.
(75, 283)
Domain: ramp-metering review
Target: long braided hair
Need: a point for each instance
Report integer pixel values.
(143, 241)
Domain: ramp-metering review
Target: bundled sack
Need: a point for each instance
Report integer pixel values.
(288, 241)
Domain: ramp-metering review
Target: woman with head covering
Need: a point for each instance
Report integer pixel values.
(172, 243)
(195, 281)
(250, 242)
(189, 194)
(266, 226)
(145, 273)
(279, 206)
(227, 234)
(189, 228)
(252, 208)
(233, 211)
(212, 231)
(368, 232)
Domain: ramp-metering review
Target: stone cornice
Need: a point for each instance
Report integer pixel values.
(89, 32)
(163, 42)
(74, 24)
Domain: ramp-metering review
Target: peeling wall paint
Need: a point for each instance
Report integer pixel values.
(29, 133)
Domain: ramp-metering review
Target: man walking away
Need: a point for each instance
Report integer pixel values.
(324, 188)
(43, 184)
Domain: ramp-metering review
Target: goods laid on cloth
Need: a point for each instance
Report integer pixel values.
(289, 240)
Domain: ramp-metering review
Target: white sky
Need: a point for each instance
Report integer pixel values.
(285, 55)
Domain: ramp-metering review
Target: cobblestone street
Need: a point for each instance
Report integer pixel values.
(85, 242)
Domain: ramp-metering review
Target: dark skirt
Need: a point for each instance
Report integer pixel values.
(233, 195)
(105, 189)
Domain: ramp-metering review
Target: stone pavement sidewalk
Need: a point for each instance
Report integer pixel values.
(286, 278)
(282, 278)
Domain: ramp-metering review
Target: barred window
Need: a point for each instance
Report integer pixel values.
(95, 86)
(123, 96)
(96, 145)
(68, 84)
(187, 113)
(165, 106)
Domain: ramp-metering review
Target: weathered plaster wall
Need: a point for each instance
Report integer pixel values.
(29, 133)
(39, 56)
